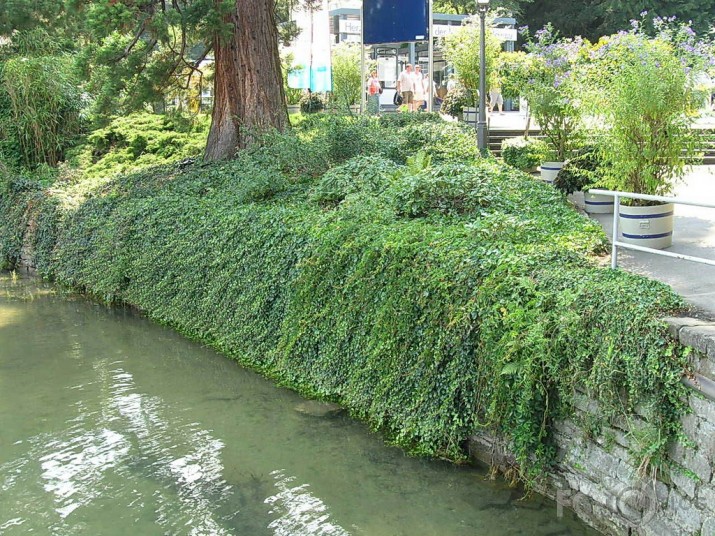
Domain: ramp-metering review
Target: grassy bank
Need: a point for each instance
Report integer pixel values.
(431, 292)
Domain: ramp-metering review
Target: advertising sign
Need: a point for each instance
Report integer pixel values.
(395, 21)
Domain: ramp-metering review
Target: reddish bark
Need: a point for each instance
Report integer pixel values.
(248, 88)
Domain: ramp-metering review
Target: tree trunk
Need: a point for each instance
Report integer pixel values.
(248, 87)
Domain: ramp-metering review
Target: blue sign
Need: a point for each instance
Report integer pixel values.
(395, 21)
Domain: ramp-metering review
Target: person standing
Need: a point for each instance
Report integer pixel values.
(496, 100)
(374, 89)
(406, 87)
(419, 95)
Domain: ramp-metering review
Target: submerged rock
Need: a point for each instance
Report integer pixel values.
(316, 408)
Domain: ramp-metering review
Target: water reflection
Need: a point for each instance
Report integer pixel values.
(112, 425)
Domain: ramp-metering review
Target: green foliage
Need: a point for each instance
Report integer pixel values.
(456, 100)
(581, 172)
(524, 153)
(438, 298)
(644, 94)
(345, 67)
(552, 87)
(311, 103)
(44, 105)
(461, 49)
(140, 140)
(441, 141)
(370, 174)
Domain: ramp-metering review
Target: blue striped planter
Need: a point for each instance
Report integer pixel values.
(650, 227)
(597, 204)
(549, 170)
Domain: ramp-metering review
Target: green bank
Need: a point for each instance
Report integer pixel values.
(379, 263)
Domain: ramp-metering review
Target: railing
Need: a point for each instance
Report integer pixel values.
(616, 211)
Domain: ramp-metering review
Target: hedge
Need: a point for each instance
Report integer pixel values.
(435, 294)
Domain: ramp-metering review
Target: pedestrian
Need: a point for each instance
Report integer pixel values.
(374, 90)
(430, 90)
(496, 100)
(419, 95)
(406, 87)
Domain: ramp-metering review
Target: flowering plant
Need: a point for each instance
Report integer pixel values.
(550, 86)
(644, 94)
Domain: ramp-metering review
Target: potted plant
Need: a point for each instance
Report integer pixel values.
(524, 153)
(644, 94)
(581, 172)
(551, 87)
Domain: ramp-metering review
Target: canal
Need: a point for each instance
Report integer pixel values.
(113, 425)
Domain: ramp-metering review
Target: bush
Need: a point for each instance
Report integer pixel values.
(455, 101)
(311, 103)
(581, 172)
(367, 174)
(138, 141)
(442, 141)
(524, 153)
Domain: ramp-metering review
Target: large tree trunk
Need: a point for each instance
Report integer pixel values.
(248, 87)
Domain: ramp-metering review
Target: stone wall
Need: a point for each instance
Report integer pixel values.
(596, 475)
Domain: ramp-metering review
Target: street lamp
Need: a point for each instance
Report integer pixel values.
(483, 7)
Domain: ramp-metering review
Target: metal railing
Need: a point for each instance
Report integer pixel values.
(616, 211)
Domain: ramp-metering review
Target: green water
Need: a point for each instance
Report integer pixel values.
(112, 425)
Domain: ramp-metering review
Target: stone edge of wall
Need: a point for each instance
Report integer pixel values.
(597, 479)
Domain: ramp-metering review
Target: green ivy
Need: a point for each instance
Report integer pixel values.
(432, 299)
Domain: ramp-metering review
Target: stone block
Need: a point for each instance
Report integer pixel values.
(682, 483)
(708, 527)
(703, 408)
(660, 525)
(701, 338)
(676, 323)
(691, 423)
(685, 513)
(706, 498)
(692, 460)
(705, 438)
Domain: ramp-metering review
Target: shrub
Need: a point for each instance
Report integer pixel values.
(311, 103)
(368, 174)
(524, 153)
(441, 141)
(455, 101)
(581, 172)
(138, 141)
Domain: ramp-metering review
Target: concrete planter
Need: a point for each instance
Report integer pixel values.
(549, 170)
(597, 204)
(650, 227)
(293, 108)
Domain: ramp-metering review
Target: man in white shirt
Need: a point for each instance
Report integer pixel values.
(406, 87)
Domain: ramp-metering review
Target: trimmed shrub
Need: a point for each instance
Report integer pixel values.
(524, 153)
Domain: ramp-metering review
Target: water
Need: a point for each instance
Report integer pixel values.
(112, 425)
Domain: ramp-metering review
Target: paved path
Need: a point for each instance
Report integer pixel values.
(694, 235)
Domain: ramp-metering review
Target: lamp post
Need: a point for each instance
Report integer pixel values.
(483, 6)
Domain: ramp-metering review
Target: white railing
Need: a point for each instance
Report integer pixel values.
(616, 211)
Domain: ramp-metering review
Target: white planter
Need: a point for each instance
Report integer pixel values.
(293, 108)
(650, 227)
(549, 170)
(597, 204)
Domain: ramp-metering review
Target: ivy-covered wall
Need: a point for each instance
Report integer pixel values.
(433, 293)
(598, 476)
